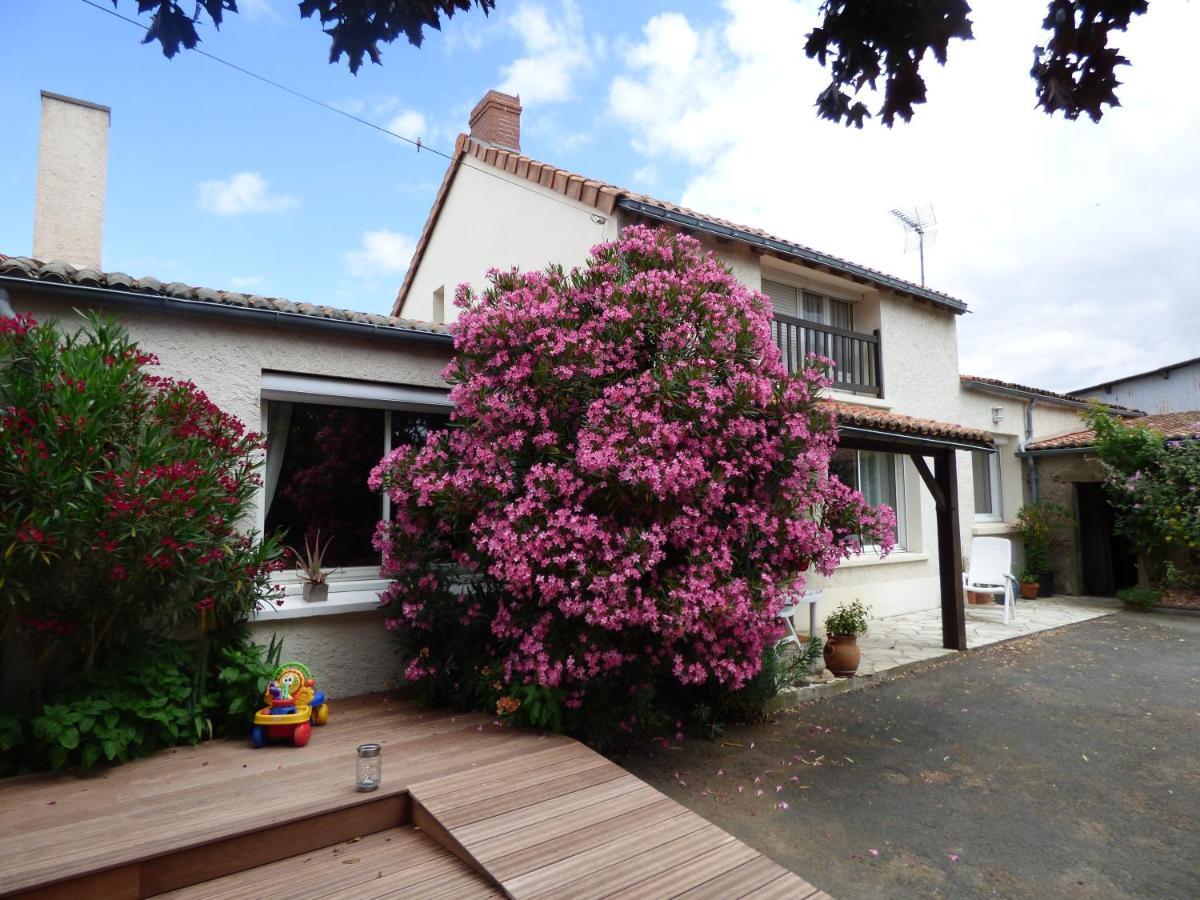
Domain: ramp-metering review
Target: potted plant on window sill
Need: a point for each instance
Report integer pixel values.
(842, 629)
(314, 577)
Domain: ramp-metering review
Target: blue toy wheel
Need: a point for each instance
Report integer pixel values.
(258, 735)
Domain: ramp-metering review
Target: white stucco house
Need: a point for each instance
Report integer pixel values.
(333, 389)
(895, 342)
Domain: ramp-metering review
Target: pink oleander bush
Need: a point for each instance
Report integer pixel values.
(121, 493)
(631, 483)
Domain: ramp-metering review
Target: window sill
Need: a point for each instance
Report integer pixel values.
(857, 399)
(339, 602)
(989, 528)
(871, 559)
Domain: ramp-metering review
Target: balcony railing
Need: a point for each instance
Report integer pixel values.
(858, 363)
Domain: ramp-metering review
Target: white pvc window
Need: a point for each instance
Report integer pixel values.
(985, 471)
(810, 306)
(879, 477)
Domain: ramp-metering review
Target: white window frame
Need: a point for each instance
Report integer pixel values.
(901, 507)
(995, 478)
(357, 588)
(824, 293)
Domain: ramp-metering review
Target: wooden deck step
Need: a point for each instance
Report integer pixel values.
(398, 862)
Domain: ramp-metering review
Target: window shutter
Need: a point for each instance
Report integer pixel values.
(783, 297)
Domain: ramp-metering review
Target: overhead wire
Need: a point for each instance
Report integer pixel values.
(417, 143)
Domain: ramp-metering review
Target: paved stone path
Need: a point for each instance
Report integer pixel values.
(897, 642)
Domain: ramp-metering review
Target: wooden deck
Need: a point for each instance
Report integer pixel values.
(524, 815)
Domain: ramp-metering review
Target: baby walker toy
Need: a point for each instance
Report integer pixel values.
(293, 707)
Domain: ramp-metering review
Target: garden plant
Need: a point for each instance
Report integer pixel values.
(1153, 485)
(631, 482)
(121, 493)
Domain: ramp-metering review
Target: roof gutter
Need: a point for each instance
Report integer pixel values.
(957, 444)
(164, 304)
(1052, 451)
(793, 250)
(985, 388)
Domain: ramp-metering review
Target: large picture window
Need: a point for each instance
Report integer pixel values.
(879, 477)
(318, 459)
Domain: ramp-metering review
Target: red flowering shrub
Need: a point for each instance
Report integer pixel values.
(120, 493)
(630, 484)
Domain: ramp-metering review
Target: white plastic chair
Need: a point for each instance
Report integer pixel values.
(990, 571)
(812, 598)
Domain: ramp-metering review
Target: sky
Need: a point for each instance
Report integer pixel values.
(1075, 245)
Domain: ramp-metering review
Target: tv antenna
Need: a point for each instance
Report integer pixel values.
(919, 223)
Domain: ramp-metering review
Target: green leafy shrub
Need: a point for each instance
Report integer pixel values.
(125, 581)
(1142, 598)
(1039, 526)
(848, 618)
(1153, 486)
(166, 694)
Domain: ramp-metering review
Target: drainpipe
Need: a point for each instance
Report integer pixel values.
(6, 310)
(1033, 473)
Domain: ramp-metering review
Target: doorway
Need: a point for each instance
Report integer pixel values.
(1107, 562)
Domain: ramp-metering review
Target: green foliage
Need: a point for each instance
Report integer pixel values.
(1040, 527)
(356, 27)
(1142, 598)
(848, 618)
(121, 493)
(167, 694)
(1153, 485)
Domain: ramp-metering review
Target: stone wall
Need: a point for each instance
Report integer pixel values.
(1057, 476)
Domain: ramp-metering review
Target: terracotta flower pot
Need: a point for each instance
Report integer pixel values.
(842, 654)
(1029, 590)
(978, 598)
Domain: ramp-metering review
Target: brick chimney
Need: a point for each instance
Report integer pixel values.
(496, 120)
(68, 214)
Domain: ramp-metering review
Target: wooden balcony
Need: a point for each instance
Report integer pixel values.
(858, 363)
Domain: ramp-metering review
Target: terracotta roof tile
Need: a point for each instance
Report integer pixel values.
(606, 198)
(57, 272)
(1071, 399)
(898, 423)
(1169, 425)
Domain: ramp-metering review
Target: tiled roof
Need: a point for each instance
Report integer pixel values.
(606, 197)
(1069, 399)
(1169, 425)
(897, 423)
(62, 273)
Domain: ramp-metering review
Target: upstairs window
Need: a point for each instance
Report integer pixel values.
(810, 306)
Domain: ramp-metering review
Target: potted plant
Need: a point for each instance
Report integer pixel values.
(842, 628)
(314, 577)
(1039, 526)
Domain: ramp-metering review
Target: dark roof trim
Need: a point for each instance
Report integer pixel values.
(795, 251)
(922, 441)
(1052, 451)
(166, 304)
(75, 100)
(989, 388)
(1162, 370)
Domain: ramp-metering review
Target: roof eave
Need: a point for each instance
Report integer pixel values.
(794, 251)
(165, 304)
(1003, 391)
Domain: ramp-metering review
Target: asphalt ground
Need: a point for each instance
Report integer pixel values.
(1064, 764)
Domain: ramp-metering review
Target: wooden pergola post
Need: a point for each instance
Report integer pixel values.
(943, 485)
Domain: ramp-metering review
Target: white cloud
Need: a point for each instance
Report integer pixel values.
(380, 253)
(241, 193)
(556, 50)
(410, 124)
(257, 10)
(248, 283)
(1073, 243)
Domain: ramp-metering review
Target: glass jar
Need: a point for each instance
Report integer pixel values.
(369, 767)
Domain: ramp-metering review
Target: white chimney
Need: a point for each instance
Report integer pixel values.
(68, 218)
